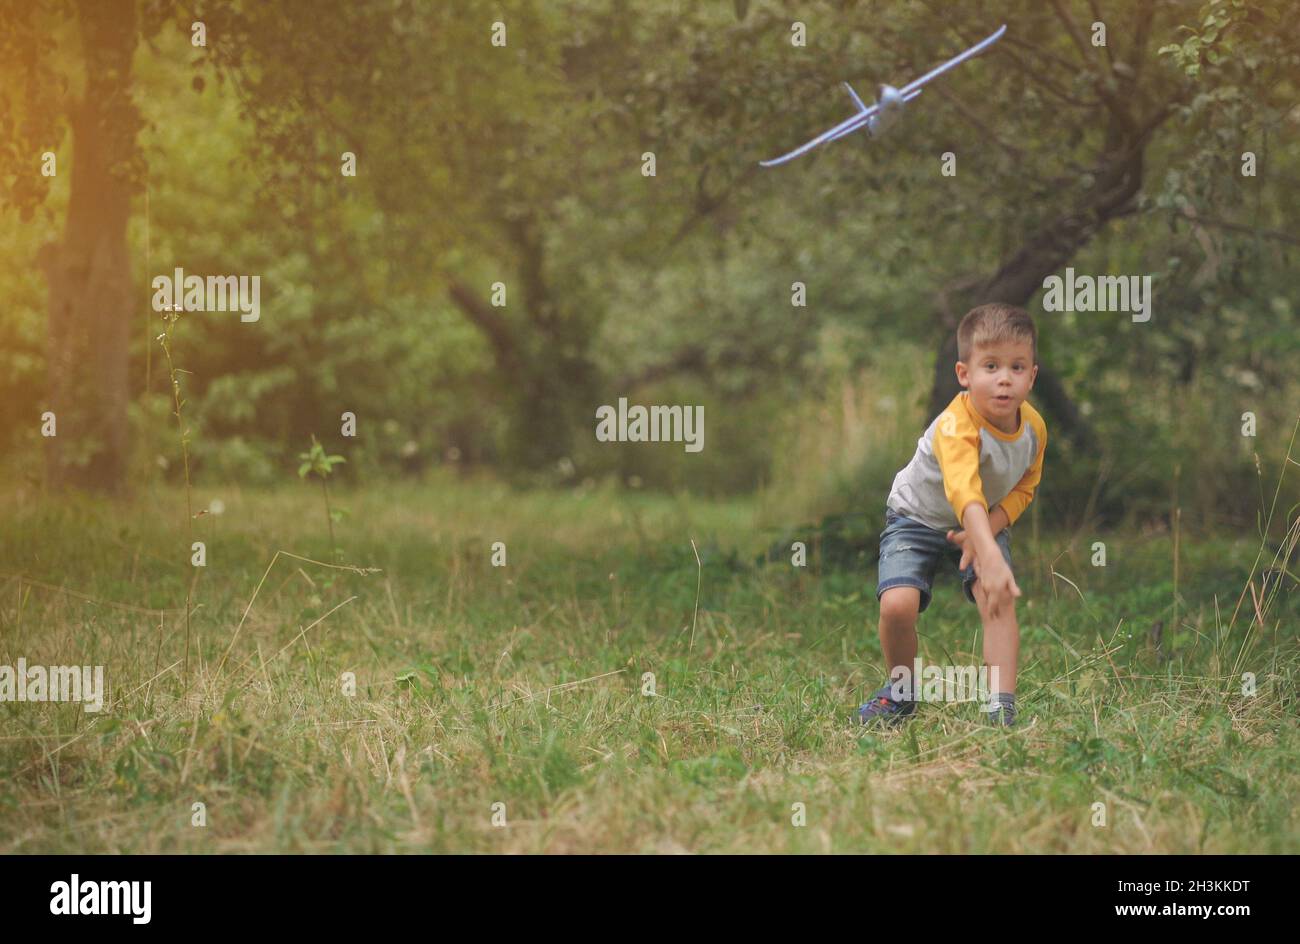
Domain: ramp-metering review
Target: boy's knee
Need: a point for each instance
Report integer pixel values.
(900, 604)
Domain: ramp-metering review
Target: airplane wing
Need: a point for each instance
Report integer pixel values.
(956, 60)
(848, 126)
(844, 127)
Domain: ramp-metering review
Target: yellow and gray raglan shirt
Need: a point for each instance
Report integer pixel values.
(962, 458)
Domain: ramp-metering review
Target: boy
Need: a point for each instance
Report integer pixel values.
(976, 468)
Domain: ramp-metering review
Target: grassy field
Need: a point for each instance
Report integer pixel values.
(523, 685)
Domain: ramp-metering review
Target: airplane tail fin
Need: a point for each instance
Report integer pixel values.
(854, 95)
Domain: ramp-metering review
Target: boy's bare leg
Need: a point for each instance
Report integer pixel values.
(1001, 642)
(899, 609)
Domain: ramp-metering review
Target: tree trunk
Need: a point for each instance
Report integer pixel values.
(89, 270)
(542, 358)
(1119, 179)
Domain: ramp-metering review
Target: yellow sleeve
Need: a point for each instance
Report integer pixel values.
(957, 447)
(1018, 500)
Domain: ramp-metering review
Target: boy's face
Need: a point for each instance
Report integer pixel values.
(999, 377)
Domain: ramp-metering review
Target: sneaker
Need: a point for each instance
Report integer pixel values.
(1001, 715)
(884, 709)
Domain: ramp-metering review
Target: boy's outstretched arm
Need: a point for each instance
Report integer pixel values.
(1004, 513)
(957, 449)
(999, 583)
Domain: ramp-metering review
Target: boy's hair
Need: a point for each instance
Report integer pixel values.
(992, 324)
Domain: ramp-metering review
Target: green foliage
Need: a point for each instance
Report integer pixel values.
(316, 462)
(1212, 42)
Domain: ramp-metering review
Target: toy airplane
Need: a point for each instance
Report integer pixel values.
(881, 114)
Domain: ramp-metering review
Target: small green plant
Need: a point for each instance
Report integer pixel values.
(172, 316)
(316, 462)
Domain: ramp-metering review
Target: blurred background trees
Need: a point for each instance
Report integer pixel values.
(522, 164)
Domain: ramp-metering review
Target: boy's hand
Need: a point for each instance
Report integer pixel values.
(999, 586)
(967, 549)
(998, 522)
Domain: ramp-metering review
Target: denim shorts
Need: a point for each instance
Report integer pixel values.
(910, 553)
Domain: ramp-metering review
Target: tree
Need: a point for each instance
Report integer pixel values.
(1054, 132)
(87, 269)
(452, 133)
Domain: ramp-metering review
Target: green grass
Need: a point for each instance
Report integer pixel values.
(522, 685)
